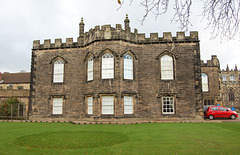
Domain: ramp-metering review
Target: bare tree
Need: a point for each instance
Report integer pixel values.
(222, 15)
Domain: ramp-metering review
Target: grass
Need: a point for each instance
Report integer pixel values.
(150, 138)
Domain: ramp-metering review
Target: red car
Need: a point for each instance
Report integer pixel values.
(220, 112)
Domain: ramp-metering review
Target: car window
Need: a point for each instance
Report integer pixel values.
(222, 109)
(214, 108)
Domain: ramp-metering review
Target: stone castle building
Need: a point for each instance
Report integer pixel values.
(113, 73)
(220, 87)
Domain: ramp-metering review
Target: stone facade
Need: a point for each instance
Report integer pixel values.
(147, 88)
(212, 70)
(16, 85)
(230, 88)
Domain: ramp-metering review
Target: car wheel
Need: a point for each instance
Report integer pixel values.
(233, 117)
(211, 117)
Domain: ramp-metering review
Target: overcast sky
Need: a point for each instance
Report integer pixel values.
(23, 21)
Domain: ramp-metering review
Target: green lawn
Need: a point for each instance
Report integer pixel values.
(150, 138)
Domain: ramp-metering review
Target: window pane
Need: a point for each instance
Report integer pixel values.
(168, 105)
(90, 68)
(128, 67)
(204, 82)
(57, 105)
(107, 104)
(107, 66)
(90, 105)
(224, 77)
(58, 71)
(232, 77)
(128, 105)
(166, 67)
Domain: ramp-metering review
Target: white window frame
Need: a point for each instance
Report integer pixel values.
(58, 71)
(90, 68)
(128, 104)
(167, 69)
(128, 67)
(204, 82)
(90, 105)
(168, 105)
(107, 66)
(108, 105)
(57, 106)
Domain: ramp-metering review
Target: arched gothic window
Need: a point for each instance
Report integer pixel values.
(224, 77)
(107, 66)
(90, 68)
(232, 77)
(204, 82)
(231, 95)
(58, 71)
(166, 67)
(128, 67)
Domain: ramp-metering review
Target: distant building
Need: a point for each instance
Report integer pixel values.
(220, 87)
(230, 88)
(112, 73)
(211, 81)
(16, 85)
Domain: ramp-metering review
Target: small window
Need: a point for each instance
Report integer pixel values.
(90, 68)
(57, 106)
(128, 105)
(107, 66)
(20, 87)
(128, 67)
(232, 77)
(222, 109)
(168, 105)
(58, 71)
(90, 105)
(107, 105)
(224, 77)
(166, 67)
(231, 95)
(9, 87)
(214, 108)
(204, 82)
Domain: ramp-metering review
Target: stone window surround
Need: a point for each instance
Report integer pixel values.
(174, 64)
(51, 104)
(113, 69)
(206, 88)
(174, 105)
(101, 103)
(86, 103)
(133, 104)
(64, 68)
(90, 59)
(125, 65)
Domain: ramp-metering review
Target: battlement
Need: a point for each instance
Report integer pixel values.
(106, 32)
(231, 70)
(214, 62)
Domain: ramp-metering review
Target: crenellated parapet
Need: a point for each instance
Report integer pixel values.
(106, 32)
(214, 62)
